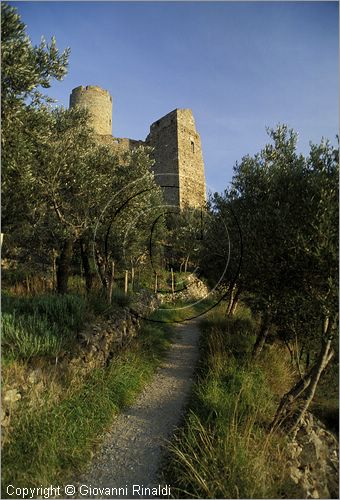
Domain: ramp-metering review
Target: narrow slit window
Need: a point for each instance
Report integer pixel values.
(192, 146)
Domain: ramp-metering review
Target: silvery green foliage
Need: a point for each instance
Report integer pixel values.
(286, 205)
(26, 67)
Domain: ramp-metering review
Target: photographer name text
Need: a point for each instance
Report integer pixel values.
(86, 490)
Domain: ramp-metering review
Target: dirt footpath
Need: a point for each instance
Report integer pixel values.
(132, 449)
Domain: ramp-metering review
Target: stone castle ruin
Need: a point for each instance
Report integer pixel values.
(177, 151)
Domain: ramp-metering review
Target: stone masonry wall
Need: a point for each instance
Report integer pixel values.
(163, 138)
(120, 144)
(190, 159)
(313, 465)
(178, 158)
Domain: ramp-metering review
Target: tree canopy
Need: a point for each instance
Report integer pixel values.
(58, 179)
(286, 206)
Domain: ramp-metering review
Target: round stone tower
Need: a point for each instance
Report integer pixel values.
(99, 103)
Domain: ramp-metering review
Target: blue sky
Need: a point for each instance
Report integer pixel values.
(240, 66)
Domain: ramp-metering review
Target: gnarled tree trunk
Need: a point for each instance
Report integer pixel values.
(63, 266)
(86, 265)
(112, 277)
(101, 266)
(295, 403)
(262, 335)
(234, 302)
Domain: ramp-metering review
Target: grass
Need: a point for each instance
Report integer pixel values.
(29, 336)
(222, 450)
(40, 325)
(56, 437)
(181, 311)
(44, 325)
(97, 302)
(65, 310)
(59, 428)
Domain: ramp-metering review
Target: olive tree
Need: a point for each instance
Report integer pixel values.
(287, 208)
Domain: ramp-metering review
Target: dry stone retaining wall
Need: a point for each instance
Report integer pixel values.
(97, 343)
(314, 460)
(194, 289)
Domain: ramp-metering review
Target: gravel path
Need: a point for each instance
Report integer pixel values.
(132, 449)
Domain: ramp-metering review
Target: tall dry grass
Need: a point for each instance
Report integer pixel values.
(223, 449)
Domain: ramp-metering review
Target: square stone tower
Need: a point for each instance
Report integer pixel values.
(179, 166)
